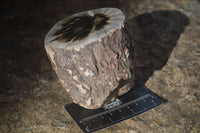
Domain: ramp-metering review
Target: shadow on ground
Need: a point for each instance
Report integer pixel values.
(155, 35)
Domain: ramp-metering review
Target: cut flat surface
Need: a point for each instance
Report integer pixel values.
(84, 28)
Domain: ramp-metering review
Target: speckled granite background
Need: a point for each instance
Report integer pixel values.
(167, 37)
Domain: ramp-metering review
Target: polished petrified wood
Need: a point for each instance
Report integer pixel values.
(93, 55)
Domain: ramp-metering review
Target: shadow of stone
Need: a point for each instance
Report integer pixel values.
(155, 35)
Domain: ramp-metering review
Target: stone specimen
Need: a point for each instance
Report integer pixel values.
(93, 55)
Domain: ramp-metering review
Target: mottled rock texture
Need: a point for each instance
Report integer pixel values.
(96, 66)
(167, 43)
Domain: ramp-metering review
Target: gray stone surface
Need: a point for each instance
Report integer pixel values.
(167, 40)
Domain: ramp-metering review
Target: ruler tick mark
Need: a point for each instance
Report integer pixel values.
(153, 102)
(110, 119)
(87, 129)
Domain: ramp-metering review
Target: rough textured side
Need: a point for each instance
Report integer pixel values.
(99, 72)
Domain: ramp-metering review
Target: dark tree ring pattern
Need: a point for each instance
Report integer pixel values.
(79, 27)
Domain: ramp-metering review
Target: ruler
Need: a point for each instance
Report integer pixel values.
(138, 100)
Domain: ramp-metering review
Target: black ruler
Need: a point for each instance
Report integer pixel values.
(138, 100)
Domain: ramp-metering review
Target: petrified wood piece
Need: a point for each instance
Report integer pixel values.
(93, 56)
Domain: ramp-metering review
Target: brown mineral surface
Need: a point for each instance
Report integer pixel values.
(167, 38)
(93, 56)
